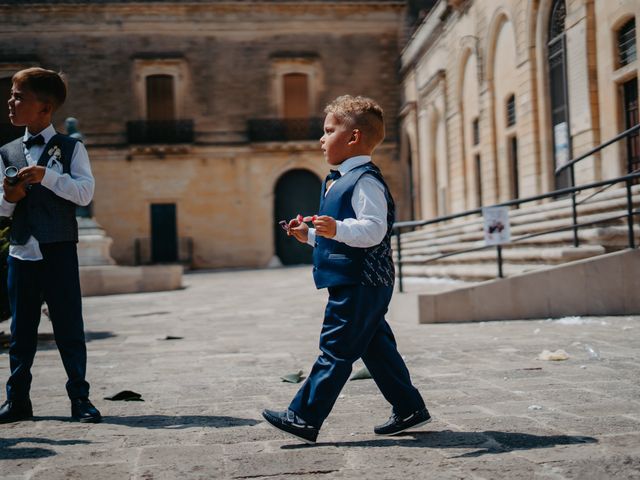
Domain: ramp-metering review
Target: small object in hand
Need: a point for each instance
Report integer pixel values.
(293, 377)
(311, 218)
(125, 396)
(285, 225)
(11, 173)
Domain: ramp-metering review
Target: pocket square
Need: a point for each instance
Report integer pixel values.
(54, 165)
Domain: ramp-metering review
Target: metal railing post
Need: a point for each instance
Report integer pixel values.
(574, 210)
(632, 242)
(499, 250)
(400, 285)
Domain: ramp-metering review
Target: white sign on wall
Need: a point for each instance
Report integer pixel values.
(561, 144)
(496, 225)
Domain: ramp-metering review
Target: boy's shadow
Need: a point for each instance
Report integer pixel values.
(487, 442)
(9, 451)
(176, 422)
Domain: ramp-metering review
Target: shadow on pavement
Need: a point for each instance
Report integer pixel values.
(46, 341)
(488, 442)
(9, 451)
(169, 422)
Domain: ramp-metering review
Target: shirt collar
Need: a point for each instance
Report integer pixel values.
(353, 162)
(47, 134)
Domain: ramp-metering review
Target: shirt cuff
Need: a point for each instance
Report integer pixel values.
(311, 237)
(341, 229)
(50, 178)
(6, 207)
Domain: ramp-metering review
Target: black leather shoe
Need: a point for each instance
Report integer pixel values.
(83, 411)
(290, 423)
(14, 411)
(395, 424)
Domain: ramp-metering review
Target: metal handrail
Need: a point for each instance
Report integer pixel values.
(627, 179)
(529, 236)
(517, 201)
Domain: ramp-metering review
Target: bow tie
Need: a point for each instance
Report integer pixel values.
(332, 177)
(34, 140)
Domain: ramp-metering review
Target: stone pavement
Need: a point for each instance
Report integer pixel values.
(499, 411)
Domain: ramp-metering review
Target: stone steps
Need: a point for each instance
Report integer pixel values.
(421, 248)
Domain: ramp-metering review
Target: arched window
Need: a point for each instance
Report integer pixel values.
(627, 43)
(557, 61)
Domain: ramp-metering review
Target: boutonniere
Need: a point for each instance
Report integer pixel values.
(55, 152)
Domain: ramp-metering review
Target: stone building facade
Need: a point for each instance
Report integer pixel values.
(499, 93)
(202, 118)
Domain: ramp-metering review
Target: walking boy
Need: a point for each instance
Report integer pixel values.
(54, 176)
(352, 258)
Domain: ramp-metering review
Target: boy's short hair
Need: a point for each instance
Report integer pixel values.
(360, 112)
(47, 85)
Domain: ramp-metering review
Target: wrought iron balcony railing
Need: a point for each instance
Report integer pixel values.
(146, 132)
(284, 129)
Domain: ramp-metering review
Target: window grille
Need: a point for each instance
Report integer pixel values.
(627, 43)
(511, 111)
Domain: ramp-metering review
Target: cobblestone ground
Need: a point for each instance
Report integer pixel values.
(499, 411)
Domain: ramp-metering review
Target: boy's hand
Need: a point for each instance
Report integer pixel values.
(14, 193)
(32, 174)
(325, 226)
(299, 230)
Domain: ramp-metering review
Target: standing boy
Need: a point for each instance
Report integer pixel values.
(352, 258)
(54, 176)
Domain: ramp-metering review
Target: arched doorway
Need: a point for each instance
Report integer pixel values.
(296, 192)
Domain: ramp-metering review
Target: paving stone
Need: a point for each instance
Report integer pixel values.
(242, 330)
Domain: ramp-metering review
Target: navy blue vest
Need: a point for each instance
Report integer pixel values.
(336, 263)
(42, 214)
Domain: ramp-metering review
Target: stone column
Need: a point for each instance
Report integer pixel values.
(93, 243)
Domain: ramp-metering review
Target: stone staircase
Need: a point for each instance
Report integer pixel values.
(423, 245)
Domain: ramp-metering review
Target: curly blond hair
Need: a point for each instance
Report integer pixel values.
(362, 113)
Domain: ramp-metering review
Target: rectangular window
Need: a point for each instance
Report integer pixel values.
(631, 118)
(627, 43)
(160, 98)
(478, 165)
(511, 111)
(475, 127)
(513, 154)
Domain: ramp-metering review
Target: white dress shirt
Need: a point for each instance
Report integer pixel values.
(76, 186)
(370, 205)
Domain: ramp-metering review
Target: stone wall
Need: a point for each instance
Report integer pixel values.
(227, 59)
(457, 31)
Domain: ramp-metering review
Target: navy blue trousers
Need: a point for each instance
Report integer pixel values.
(354, 327)
(54, 279)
